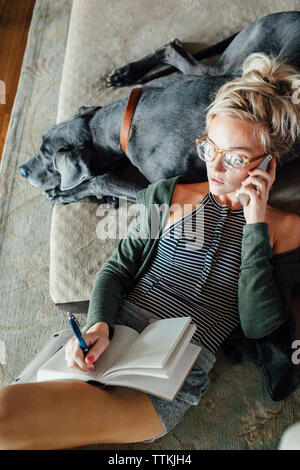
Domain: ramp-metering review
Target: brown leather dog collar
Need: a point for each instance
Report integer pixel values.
(128, 116)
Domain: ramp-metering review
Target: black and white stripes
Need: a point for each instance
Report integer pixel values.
(195, 272)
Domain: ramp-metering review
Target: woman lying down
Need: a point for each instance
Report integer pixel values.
(226, 282)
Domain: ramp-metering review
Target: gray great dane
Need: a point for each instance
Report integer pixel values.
(81, 156)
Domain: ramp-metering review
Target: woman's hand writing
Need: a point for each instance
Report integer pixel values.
(255, 210)
(96, 339)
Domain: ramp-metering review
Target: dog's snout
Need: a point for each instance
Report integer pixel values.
(23, 171)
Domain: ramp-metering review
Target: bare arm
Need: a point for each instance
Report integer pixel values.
(286, 232)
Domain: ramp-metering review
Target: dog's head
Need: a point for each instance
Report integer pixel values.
(67, 156)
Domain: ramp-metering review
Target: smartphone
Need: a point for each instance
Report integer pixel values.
(244, 198)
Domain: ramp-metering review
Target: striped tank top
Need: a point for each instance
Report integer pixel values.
(195, 271)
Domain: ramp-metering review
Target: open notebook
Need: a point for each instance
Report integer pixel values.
(156, 361)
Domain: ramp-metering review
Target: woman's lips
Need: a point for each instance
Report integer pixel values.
(216, 181)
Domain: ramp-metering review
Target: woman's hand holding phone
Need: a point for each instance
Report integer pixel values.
(257, 187)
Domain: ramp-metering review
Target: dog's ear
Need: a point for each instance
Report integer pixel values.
(87, 111)
(73, 171)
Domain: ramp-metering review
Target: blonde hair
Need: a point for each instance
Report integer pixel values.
(264, 94)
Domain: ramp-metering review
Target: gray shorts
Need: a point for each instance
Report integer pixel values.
(196, 383)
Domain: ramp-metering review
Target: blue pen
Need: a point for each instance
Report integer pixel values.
(77, 332)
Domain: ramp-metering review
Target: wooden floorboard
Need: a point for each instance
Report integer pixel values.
(15, 18)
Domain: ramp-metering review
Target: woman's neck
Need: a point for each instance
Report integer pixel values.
(229, 200)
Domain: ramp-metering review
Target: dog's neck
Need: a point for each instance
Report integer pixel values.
(105, 128)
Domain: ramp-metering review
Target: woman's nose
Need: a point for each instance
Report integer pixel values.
(217, 163)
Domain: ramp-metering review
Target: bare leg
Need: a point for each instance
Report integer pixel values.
(66, 414)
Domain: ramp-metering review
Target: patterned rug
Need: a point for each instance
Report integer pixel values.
(236, 412)
(27, 314)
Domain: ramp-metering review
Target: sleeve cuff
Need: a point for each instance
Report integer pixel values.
(258, 229)
(111, 331)
(256, 241)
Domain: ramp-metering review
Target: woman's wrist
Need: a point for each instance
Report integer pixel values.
(256, 218)
(99, 326)
(255, 221)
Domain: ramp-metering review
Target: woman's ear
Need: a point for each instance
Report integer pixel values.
(273, 161)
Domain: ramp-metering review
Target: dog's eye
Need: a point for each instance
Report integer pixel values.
(45, 150)
(62, 149)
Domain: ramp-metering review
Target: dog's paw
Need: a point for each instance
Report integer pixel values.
(113, 200)
(106, 206)
(124, 76)
(109, 202)
(61, 201)
(118, 77)
(58, 197)
(50, 193)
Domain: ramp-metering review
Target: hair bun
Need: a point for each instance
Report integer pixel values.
(259, 66)
(262, 68)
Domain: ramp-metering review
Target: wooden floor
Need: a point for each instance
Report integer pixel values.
(15, 17)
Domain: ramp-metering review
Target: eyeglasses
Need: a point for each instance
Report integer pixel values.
(232, 161)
